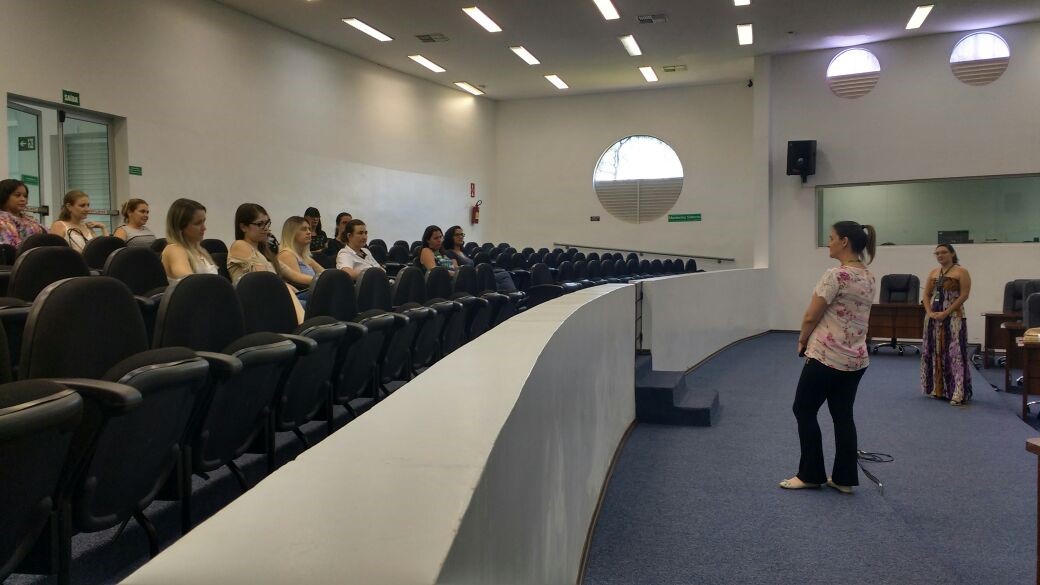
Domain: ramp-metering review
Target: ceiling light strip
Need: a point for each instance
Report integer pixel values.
(368, 30)
(555, 80)
(468, 88)
(630, 44)
(648, 74)
(482, 19)
(744, 34)
(919, 15)
(742, 2)
(607, 9)
(525, 55)
(427, 63)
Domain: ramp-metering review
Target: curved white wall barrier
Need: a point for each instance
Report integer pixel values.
(688, 317)
(485, 469)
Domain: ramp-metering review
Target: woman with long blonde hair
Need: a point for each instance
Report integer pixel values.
(185, 228)
(299, 268)
(72, 221)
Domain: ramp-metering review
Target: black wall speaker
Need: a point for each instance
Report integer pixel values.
(801, 158)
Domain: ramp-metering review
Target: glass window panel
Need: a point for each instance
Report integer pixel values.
(853, 61)
(978, 46)
(87, 164)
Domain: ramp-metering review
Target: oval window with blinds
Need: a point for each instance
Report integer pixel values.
(853, 73)
(980, 58)
(638, 179)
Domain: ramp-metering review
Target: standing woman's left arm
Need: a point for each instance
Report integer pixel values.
(961, 298)
(817, 307)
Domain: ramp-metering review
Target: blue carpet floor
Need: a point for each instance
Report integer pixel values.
(702, 506)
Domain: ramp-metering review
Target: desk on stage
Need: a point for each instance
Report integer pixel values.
(894, 321)
(1015, 356)
(1030, 361)
(996, 340)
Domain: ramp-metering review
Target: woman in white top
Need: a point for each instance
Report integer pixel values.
(833, 340)
(72, 222)
(185, 228)
(355, 258)
(134, 231)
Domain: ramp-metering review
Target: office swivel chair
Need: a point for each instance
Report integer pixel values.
(899, 288)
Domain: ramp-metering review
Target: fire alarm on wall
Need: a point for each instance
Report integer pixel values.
(472, 189)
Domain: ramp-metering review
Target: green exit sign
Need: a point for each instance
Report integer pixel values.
(135, 171)
(70, 97)
(675, 217)
(26, 143)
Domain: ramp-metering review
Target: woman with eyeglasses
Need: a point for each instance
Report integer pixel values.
(944, 352)
(454, 239)
(355, 258)
(250, 251)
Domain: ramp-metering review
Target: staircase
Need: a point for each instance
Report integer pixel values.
(668, 398)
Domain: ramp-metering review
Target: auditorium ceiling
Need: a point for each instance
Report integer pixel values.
(572, 39)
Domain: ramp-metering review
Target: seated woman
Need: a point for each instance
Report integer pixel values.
(15, 225)
(134, 231)
(298, 267)
(250, 251)
(318, 236)
(72, 222)
(183, 254)
(432, 254)
(355, 258)
(454, 239)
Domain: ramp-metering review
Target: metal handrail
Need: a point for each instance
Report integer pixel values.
(624, 250)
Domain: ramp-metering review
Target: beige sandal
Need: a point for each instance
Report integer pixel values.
(845, 489)
(796, 484)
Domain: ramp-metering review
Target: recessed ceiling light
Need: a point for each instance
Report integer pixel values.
(469, 88)
(630, 44)
(555, 80)
(919, 15)
(648, 74)
(742, 2)
(482, 19)
(367, 29)
(744, 35)
(608, 10)
(427, 63)
(525, 55)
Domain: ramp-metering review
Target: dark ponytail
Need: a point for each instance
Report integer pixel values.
(862, 238)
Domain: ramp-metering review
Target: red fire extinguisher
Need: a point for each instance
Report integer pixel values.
(474, 213)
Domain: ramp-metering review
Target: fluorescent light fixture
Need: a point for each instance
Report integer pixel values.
(427, 63)
(608, 10)
(367, 29)
(919, 15)
(469, 88)
(630, 44)
(742, 2)
(482, 19)
(744, 35)
(555, 80)
(525, 55)
(648, 74)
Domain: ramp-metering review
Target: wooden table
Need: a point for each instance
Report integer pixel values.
(894, 321)
(1033, 446)
(995, 339)
(1013, 331)
(1030, 353)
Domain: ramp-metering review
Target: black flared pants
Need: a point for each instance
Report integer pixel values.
(819, 384)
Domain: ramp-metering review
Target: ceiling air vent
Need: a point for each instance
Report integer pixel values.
(673, 68)
(432, 38)
(652, 18)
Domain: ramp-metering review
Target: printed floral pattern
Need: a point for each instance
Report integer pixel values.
(840, 339)
(15, 228)
(944, 352)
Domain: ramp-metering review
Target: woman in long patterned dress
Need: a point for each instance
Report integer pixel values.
(944, 353)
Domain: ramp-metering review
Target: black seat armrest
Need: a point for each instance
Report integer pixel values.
(113, 397)
(221, 365)
(304, 345)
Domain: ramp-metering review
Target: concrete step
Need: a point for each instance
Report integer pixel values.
(668, 398)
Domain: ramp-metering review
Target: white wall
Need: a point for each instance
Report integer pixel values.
(919, 122)
(547, 150)
(223, 108)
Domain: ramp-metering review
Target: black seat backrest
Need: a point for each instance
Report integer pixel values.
(401, 243)
(669, 266)
(566, 271)
(266, 304)
(677, 264)
(414, 248)
(1014, 295)
(620, 268)
(376, 242)
(487, 248)
(518, 262)
(486, 278)
(504, 261)
(220, 260)
(691, 265)
(373, 291)
(36, 268)
(332, 247)
(202, 312)
(379, 253)
(332, 295)
(97, 250)
(410, 287)
(438, 283)
(900, 288)
(536, 258)
(1031, 310)
(158, 245)
(632, 256)
(138, 268)
(656, 266)
(632, 266)
(540, 274)
(481, 258)
(606, 267)
(592, 256)
(469, 248)
(595, 270)
(39, 241)
(581, 270)
(38, 419)
(466, 281)
(214, 246)
(399, 254)
(8, 253)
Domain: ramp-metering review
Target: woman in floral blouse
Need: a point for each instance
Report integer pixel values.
(15, 225)
(833, 340)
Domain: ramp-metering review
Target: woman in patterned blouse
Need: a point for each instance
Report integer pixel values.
(15, 225)
(833, 340)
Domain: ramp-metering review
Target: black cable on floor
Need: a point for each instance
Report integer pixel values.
(862, 456)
